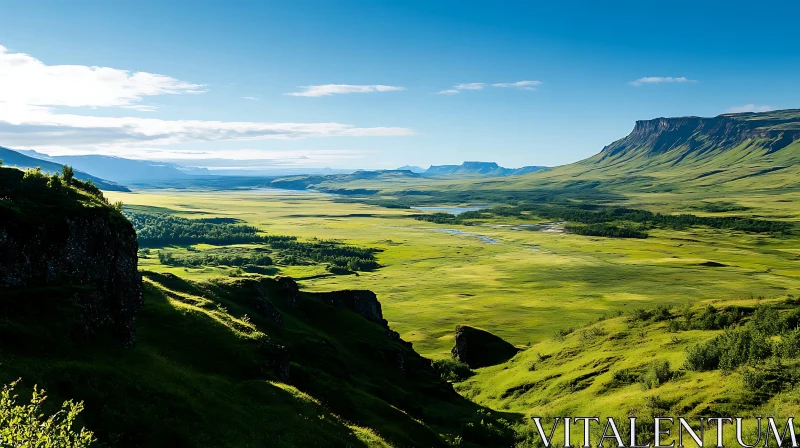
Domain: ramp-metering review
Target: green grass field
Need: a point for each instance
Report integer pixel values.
(523, 286)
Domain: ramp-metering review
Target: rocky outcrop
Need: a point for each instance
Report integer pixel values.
(85, 254)
(290, 288)
(479, 348)
(361, 302)
(698, 135)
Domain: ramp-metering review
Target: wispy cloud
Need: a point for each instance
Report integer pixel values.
(748, 108)
(471, 86)
(464, 86)
(32, 95)
(524, 85)
(342, 89)
(251, 98)
(660, 80)
(25, 80)
(34, 126)
(458, 88)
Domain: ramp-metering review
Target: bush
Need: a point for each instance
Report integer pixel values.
(24, 425)
(451, 370)
(732, 349)
(658, 373)
(703, 356)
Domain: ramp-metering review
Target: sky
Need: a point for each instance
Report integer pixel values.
(379, 84)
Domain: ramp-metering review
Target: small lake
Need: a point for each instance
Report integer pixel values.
(452, 210)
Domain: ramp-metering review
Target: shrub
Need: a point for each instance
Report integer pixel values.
(24, 425)
(746, 345)
(658, 373)
(703, 356)
(624, 376)
(67, 173)
(451, 370)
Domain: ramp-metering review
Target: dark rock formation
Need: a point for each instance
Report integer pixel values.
(263, 306)
(290, 288)
(361, 302)
(85, 254)
(479, 348)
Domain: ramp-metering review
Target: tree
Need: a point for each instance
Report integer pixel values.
(25, 425)
(67, 173)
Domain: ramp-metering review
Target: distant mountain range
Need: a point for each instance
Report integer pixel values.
(412, 168)
(117, 169)
(19, 160)
(482, 169)
(744, 151)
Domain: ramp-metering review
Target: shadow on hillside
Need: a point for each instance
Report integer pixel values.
(190, 381)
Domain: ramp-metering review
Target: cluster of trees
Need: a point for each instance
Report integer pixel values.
(335, 253)
(215, 258)
(159, 229)
(441, 218)
(613, 222)
(750, 343)
(605, 230)
(593, 214)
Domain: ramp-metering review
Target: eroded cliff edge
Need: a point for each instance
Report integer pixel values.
(62, 245)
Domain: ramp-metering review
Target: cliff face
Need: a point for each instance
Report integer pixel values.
(59, 242)
(684, 137)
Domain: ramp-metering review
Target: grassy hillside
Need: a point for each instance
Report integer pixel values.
(240, 362)
(657, 361)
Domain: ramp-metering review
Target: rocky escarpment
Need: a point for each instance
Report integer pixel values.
(60, 244)
(698, 136)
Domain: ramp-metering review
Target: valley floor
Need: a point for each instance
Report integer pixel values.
(521, 283)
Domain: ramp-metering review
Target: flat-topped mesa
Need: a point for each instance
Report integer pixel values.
(699, 135)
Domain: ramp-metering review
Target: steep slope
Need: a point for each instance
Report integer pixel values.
(740, 358)
(749, 151)
(69, 245)
(16, 159)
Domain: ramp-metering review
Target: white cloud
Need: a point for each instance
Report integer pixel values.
(659, 80)
(31, 94)
(34, 126)
(251, 98)
(342, 89)
(465, 86)
(748, 108)
(471, 86)
(524, 85)
(25, 80)
(221, 158)
(458, 88)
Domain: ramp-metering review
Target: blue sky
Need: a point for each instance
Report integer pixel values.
(228, 69)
